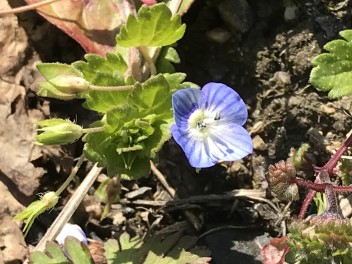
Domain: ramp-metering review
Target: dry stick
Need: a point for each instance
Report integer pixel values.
(249, 194)
(27, 7)
(226, 227)
(190, 216)
(69, 208)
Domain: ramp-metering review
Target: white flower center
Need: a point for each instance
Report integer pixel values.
(200, 121)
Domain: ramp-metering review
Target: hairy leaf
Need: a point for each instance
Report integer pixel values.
(152, 26)
(333, 71)
(153, 97)
(76, 252)
(167, 56)
(102, 147)
(104, 72)
(53, 255)
(172, 249)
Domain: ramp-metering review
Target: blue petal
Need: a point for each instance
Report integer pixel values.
(229, 142)
(221, 99)
(196, 152)
(184, 102)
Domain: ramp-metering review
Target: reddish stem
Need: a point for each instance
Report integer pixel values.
(306, 203)
(328, 167)
(320, 187)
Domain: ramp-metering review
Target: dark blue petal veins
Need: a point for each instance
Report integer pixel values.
(219, 98)
(184, 102)
(223, 137)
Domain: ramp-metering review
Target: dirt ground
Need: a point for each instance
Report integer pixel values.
(261, 48)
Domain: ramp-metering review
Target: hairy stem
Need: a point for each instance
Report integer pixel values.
(111, 88)
(69, 208)
(330, 165)
(325, 171)
(306, 203)
(143, 50)
(320, 187)
(93, 129)
(71, 176)
(27, 7)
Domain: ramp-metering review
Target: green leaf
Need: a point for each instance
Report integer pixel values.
(153, 26)
(175, 80)
(153, 97)
(333, 71)
(167, 56)
(77, 251)
(172, 249)
(104, 72)
(102, 147)
(127, 254)
(53, 255)
(52, 70)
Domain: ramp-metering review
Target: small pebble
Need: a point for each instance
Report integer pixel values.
(258, 143)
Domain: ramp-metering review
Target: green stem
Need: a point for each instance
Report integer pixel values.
(143, 50)
(111, 88)
(71, 176)
(93, 129)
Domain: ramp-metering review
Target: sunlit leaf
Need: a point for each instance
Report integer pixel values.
(172, 249)
(52, 255)
(104, 72)
(152, 26)
(77, 251)
(333, 71)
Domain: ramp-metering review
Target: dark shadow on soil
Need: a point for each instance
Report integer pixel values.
(234, 246)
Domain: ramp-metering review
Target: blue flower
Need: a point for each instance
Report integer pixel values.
(209, 124)
(71, 230)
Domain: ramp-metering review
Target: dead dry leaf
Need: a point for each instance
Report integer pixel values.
(12, 244)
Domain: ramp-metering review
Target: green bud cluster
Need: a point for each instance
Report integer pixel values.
(321, 239)
(281, 180)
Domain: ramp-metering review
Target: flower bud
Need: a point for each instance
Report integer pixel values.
(281, 179)
(64, 87)
(300, 159)
(50, 199)
(49, 90)
(70, 84)
(57, 131)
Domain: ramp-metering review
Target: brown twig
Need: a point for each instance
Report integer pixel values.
(25, 8)
(69, 208)
(190, 216)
